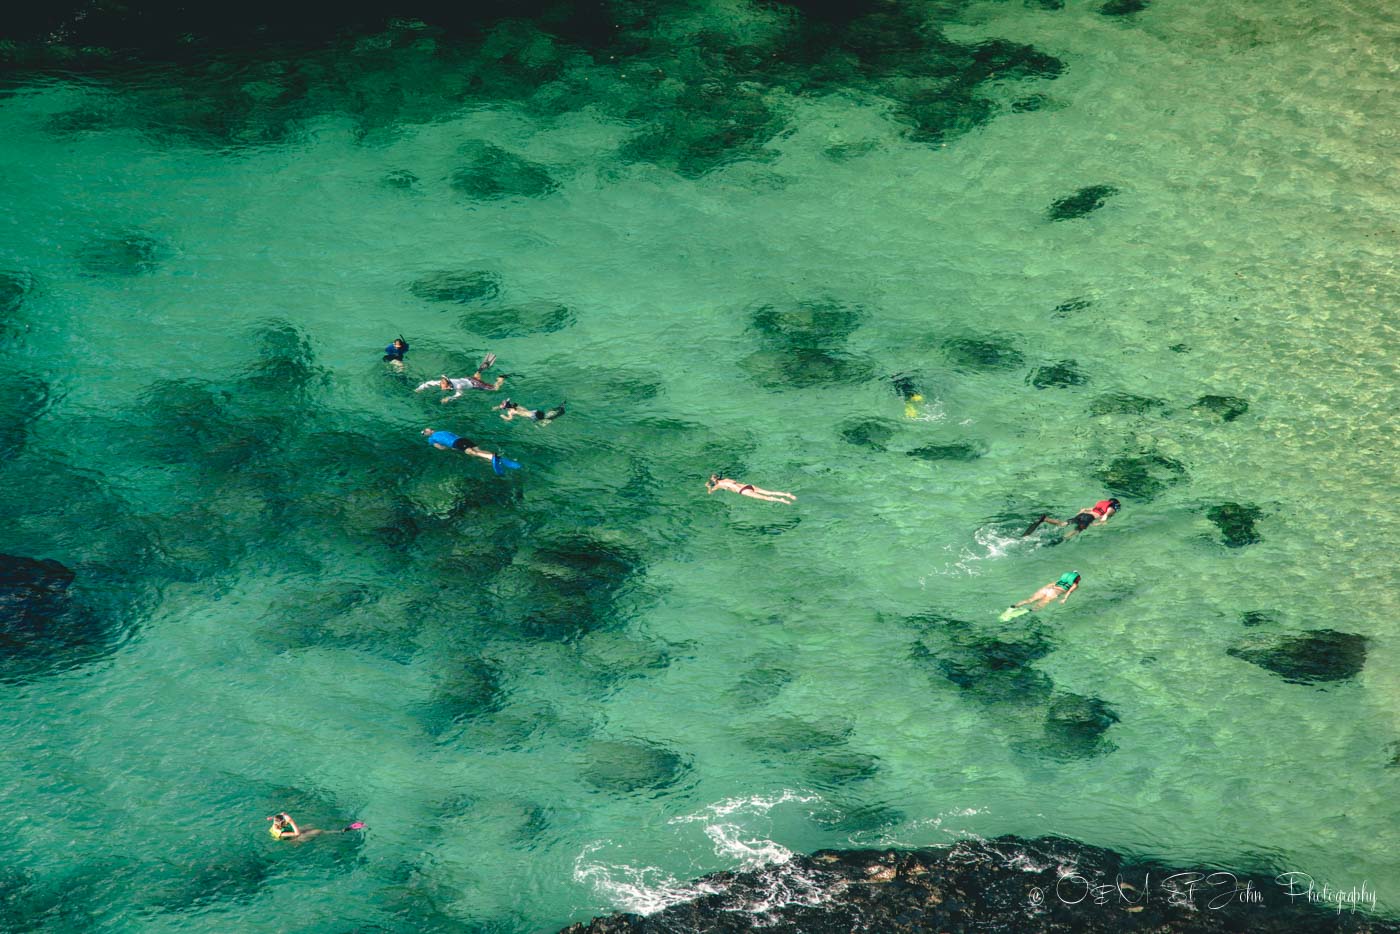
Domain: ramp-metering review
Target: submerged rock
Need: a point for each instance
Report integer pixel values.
(970, 353)
(785, 735)
(1257, 617)
(1082, 202)
(1075, 726)
(631, 766)
(992, 670)
(1142, 476)
(1320, 655)
(1060, 375)
(760, 685)
(492, 173)
(1236, 523)
(399, 178)
(800, 368)
(1065, 309)
(1124, 403)
(872, 433)
(459, 288)
(465, 690)
(1228, 408)
(518, 320)
(957, 451)
(1123, 7)
(821, 324)
(42, 628)
(14, 288)
(124, 253)
(1005, 884)
(23, 399)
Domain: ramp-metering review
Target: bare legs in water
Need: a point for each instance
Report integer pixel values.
(716, 482)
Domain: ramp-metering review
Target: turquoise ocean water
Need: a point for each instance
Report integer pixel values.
(568, 691)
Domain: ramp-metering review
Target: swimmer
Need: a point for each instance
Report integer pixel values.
(396, 351)
(510, 410)
(447, 441)
(716, 482)
(1067, 584)
(1100, 512)
(904, 385)
(459, 386)
(284, 828)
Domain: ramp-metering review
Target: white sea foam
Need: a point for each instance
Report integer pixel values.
(988, 544)
(736, 828)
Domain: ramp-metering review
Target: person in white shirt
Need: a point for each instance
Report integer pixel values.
(458, 386)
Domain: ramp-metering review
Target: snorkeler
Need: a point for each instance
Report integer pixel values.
(284, 828)
(716, 482)
(510, 410)
(1099, 512)
(447, 441)
(904, 386)
(458, 386)
(1067, 584)
(396, 351)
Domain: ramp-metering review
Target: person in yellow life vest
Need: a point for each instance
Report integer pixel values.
(284, 828)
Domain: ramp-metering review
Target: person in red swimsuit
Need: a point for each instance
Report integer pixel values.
(716, 482)
(1099, 512)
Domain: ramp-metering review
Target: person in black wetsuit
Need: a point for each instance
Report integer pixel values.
(510, 410)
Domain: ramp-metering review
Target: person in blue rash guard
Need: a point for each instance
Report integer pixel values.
(396, 351)
(447, 441)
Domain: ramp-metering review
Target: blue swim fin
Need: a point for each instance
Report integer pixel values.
(499, 464)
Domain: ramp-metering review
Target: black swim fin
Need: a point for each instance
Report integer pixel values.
(486, 363)
(1035, 525)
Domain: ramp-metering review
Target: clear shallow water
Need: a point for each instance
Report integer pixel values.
(569, 692)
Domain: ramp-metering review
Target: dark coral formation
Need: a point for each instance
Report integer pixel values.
(458, 288)
(43, 627)
(1319, 656)
(1125, 403)
(700, 99)
(1067, 308)
(872, 433)
(122, 253)
(631, 766)
(492, 173)
(1236, 523)
(954, 451)
(1062, 375)
(975, 353)
(1227, 408)
(1123, 7)
(1003, 884)
(804, 345)
(499, 322)
(1075, 726)
(1141, 476)
(1084, 201)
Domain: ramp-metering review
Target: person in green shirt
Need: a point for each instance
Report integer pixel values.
(1067, 584)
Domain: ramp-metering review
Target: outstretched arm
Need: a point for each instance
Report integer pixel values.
(428, 385)
(1072, 588)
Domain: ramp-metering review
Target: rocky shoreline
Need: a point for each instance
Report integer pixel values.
(1007, 884)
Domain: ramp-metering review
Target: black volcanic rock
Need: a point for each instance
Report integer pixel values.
(1001, 885)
